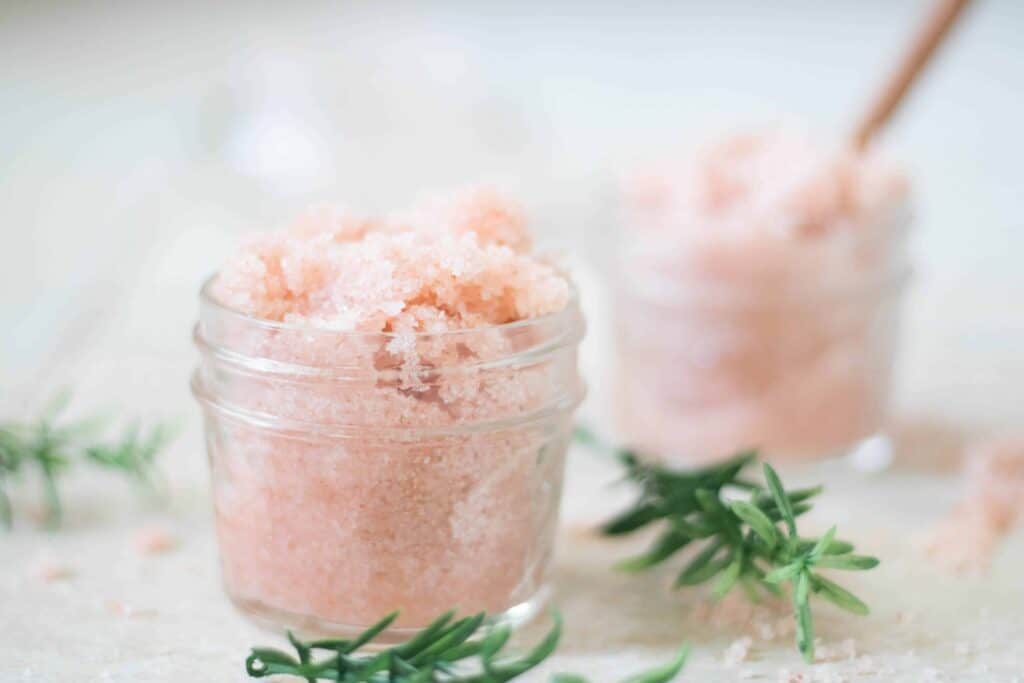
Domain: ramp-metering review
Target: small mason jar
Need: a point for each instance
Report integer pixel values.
(777, 344)
(356, 474)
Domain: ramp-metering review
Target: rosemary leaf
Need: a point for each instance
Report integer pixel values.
(847, 562)
(783, 501)
(665, 673)
(757, 520)
(821, 546)
(50, 446)
(839, 596)
(668, 544)
(836, 547)
(727, 579)
(804, 624)
(784, 573)
(435, 654)
(739, 542)
(697, 571)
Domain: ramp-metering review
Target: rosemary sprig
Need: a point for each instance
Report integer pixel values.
(135, 454)
(741, 542)
(51, 446)
(449, 650)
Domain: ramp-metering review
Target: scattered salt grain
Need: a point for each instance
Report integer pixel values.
(122, 609)
(906, 617)
(847, 649)
(154, 540)
(51, 570)
(737, 652)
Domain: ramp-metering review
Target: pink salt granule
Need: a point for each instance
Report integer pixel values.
(154, 540)
(758, 303)
(51, 570)
(737, 652)
(123, 609)
(334, 532)
(450, 263)
(969, 537)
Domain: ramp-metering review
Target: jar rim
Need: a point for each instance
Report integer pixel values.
(207, 299)
(309, 430)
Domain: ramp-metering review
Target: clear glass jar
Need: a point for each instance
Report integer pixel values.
(357, 474)
(786, 346)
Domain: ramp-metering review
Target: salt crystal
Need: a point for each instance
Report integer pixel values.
(129, 611)
(50, 570)
(737, 652)
(154, 540)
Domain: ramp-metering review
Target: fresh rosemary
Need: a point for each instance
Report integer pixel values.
(443, 652)
(742, 544)
(51, 446)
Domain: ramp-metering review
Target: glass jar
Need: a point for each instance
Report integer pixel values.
(782, 345)
(355, 474)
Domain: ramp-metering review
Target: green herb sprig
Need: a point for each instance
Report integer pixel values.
(51, 446)
(449, 650)
(741, 542)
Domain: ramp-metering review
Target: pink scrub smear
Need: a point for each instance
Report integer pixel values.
(969, 537)
(388, 404)
(758, 298)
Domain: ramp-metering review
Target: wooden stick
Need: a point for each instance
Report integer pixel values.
(921, 49)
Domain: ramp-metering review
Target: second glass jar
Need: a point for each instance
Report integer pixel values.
(787, 348)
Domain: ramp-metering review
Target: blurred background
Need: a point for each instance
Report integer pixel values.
(139, 141)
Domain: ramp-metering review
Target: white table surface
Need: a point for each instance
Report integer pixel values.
(120, 193)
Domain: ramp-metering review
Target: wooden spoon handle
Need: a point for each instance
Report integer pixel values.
(921, 49)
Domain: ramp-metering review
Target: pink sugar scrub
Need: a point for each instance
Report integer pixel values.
(758, 299)
(388, 403)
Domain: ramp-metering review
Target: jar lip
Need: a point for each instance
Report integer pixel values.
(207, 299)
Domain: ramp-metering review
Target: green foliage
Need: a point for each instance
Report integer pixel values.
(51, 446)
(741, 541)
(448, 650)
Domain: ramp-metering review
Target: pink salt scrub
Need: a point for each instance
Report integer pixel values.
(967, 540)
(449, 264)
(758, 299)
(388, 406)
